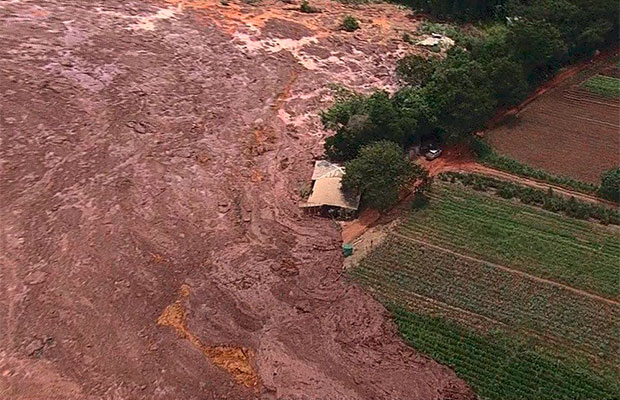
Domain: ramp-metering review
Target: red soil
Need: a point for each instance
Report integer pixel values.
(567, 131)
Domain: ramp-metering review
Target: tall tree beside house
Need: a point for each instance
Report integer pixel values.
(379, 172)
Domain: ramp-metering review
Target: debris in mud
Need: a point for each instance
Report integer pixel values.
(237, 361)
(285, 269)
(223, 207)
(35, 347)
(139, 127)
(36, 278)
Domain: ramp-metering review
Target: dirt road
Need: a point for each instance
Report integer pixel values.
(456, 159)
(151, 245)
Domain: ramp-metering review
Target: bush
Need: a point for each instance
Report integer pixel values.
(415, 69)
(420, 201)
(545, 199)
(350, 24)
(305, 7)
(610, 185)
(507, 191)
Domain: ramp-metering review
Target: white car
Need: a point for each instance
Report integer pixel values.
(432, 154)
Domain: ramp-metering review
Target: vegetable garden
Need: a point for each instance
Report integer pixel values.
(578, 253)
(509, 334)
(501, 367)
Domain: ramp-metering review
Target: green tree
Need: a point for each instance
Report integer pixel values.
(538, 46)
(358, 123)
(610, 184)
(415, 69)
(416, 104)
(379, 173)
(507, 81)
(462, 95)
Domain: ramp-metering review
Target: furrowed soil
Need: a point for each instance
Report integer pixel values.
(567, 131)
(151, 245)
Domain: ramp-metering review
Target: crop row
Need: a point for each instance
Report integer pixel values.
(390, 291)
(500, 367)
(585, 323)
(578, 253)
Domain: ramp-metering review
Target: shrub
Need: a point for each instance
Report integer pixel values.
(350, 24)
(507, 191)
(305, 7)
(415, 69)
(610, 185)
(420, 201)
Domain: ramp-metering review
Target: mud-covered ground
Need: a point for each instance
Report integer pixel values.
(151, 245)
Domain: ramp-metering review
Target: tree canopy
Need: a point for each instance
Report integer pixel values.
(610, 184)
(379, 172)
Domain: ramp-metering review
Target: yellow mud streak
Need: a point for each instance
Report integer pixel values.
(237, 361)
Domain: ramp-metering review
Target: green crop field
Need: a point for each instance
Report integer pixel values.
(607, 86)
(501, 368)
(406, 272)
(578, 253)
(510, 335)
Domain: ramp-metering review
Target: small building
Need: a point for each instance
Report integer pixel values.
(438, 41)
(327, 195)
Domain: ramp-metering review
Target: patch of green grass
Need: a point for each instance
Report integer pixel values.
(607, 86)
(578, 253)
(499, 367)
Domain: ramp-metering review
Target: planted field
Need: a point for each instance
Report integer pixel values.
(453, 275)
(578, 253)
(569, 131)
(499, 367)
(407, 272)
(607, 86)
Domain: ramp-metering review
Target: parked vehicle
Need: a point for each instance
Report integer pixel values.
(432, 153)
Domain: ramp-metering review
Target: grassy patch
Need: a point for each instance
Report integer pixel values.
(607, 86)
(579, 253)
(499, 367)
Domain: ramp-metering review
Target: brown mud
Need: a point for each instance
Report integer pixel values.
(151, 245)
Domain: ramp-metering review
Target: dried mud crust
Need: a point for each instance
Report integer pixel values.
(152, 246)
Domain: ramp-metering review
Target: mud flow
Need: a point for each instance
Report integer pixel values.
(151, 242)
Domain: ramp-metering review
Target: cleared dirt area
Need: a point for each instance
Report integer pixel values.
(151, 245)
(568, 131)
